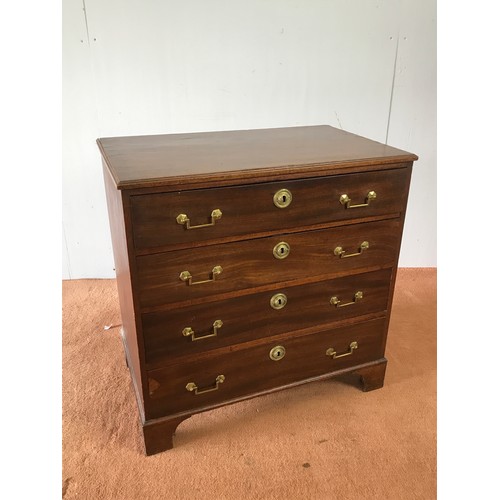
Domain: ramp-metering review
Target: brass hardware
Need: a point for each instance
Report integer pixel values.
(331, 351)
(183, 219)
(282, 198)
(277, 353)
(335, 301)
(281, 250)
(193, 387)
(186, 276)
(346, 201)
(189, 332)
(278, 301)
(340, 252)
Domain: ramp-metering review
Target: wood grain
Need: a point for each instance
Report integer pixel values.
(305, 357)
(124, 283)
(163, 160)
(158, 434)
(251, 209)
(239, 172)
(251, 263)
(372, 377)
(307, 306)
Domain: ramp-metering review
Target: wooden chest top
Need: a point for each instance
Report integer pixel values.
(225, 158)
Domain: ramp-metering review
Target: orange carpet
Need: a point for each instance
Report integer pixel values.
(324, 440)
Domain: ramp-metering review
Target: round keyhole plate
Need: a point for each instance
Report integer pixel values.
(278, 301)
(282, 198)
(281, 250)
(277, 353)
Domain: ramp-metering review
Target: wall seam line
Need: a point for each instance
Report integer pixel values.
(392, 90)
(86, 22)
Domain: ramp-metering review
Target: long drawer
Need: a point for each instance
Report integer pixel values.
(184, 275)
(192, 216)
(202, 327)
(204, 382)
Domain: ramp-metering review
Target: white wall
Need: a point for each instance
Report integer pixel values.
(133, 67)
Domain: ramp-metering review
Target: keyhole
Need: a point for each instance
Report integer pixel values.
(282, 198)
(278, 301)
(281, 250)
(277, 353)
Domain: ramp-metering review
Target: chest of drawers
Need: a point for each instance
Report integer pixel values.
(251, 261)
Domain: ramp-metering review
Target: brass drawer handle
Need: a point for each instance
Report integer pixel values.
(183, 220)
(340, 252)
(186, 276)
(193, 387)
(189, 332)
(335, 301)
(346, 201)
(331, 351)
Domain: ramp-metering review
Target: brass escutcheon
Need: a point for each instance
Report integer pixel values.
(278, 301)
(277, 353)
(282, 198)
(281, 250)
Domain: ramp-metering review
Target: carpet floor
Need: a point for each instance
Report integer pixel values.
(324, 440)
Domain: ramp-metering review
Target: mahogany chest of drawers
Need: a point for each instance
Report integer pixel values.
(251, 261)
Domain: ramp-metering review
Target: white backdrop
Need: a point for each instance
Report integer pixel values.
(133, 67)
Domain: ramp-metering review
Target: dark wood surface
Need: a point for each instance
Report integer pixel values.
(250, 209)
(252, 370)
(395, 268)
(158, 432)
(158, 435)
(121, 252)
(169, 160)
(372, 377)
(152, 179)
(251, 263)
(307, 306)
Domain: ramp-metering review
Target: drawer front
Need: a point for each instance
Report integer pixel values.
(250, 209)
(251, 370)
(164, 278)
(202, 327)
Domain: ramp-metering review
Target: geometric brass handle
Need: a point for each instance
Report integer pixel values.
(186, 276)
(331, 351)
(183, 219)
(193, 387)
(346, 201)
(340, 252)
(189, 332)
(335, 301)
